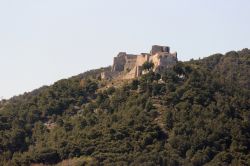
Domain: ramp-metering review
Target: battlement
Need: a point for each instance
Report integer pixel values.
(130, 65)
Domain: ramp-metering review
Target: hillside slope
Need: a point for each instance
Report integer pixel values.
(194, 114)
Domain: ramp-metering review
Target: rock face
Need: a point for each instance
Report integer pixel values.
(128, 66)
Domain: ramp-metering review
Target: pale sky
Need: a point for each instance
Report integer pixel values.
(42, 41)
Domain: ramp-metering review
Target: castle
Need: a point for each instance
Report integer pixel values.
(128, 66)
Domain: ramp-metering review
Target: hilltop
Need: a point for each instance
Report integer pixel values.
(192, 113)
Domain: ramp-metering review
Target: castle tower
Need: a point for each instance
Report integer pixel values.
(158, 49)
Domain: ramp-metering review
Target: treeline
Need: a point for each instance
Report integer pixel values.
(196, 113)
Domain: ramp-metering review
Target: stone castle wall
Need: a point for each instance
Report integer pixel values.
(130, 62)
(130, 66)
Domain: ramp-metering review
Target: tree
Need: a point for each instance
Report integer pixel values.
(148, 65)
(134, 84)
(169, 120)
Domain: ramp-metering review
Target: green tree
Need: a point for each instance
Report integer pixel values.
(148, 66)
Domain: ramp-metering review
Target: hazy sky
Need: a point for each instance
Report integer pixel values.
(42, 41)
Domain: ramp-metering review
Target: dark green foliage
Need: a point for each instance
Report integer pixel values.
(147, 66)
(196, 113)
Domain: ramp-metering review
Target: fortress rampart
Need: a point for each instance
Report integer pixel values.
(129, 66)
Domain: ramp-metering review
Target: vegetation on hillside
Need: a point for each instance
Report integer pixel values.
(197, 113)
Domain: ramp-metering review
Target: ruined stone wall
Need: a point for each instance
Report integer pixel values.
(119, 62)
(168, 60)
(163, 60)
(155, 59)
(142, 59)
(166, 49)
(130, 62)
(130, 66)
(135, 66)
(157, 49)
(131, 74)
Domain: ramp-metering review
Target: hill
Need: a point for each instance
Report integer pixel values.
(196, 113)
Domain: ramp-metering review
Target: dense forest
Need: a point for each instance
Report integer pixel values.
(196, 113)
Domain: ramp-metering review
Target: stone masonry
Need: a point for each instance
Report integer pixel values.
(128, 66)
